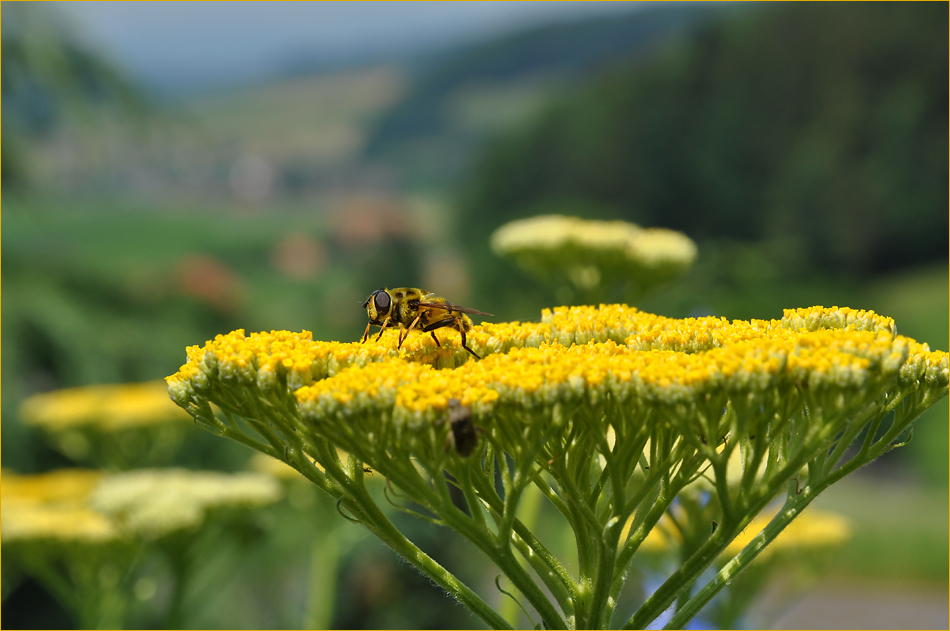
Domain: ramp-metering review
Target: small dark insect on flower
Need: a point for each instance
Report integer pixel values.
(464, 433)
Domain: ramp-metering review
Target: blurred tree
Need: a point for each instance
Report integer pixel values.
(823, 125)
(50, 80)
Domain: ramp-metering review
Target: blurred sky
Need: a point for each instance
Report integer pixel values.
(176, 48)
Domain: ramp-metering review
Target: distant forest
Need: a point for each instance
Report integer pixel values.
(570, 51)
(820, 124)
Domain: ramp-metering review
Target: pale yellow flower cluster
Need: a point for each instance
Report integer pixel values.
(156, 502)
(78, 532)
(592, 255)
(837, 318)
(567, 238)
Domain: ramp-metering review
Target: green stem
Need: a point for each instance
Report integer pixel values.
(528, 511)
(658, 484)
(601, 606)
(380, 526)
(324, 558)
(555, 577)
(369, 514)
(687, 574)
(694, 605)
(793, 507)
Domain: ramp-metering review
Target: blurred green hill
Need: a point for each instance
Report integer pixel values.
(820, 126)
(54, 85)
(465, 94)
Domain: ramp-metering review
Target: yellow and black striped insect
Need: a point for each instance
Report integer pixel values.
(409, 307)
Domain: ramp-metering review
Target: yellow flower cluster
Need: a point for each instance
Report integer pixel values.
(572, 354)
(604, 393)
(85, 506)
(52, 507)
(116, 426)
(554, 372)
(268, 359)
(108, 407)
(812, 529)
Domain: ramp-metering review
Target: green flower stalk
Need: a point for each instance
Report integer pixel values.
(180, 512)
(329, 545)
(609, 413)
(50, 533)
(78, 531)
(588, 261)
(116, 427)
(794, 557)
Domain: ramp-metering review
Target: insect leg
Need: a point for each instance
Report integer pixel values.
(382, 328)
(432, 333)
(453, 321)
(462, 331)
(403, 336)
(366, 333)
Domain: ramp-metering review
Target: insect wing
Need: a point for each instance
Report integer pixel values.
(448, 306)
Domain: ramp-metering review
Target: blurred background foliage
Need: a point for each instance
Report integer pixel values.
(802, 146)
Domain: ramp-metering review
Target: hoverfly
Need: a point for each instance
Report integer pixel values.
(409, 307)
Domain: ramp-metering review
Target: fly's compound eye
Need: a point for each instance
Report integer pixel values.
(382, 301)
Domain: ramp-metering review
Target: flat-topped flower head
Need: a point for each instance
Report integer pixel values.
(116, 426)
(155, 503)
(612, 413)
(53, 507)
(108, 407)
(546, 236)
(573, 352)
(593, 256)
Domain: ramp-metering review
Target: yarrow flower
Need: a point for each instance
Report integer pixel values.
(611, 413)
(117, 425)
(107, 406)
(52, 506)
(814, 529)
(77, 531)
(158, 502)
(50, 533)
(590, 256)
